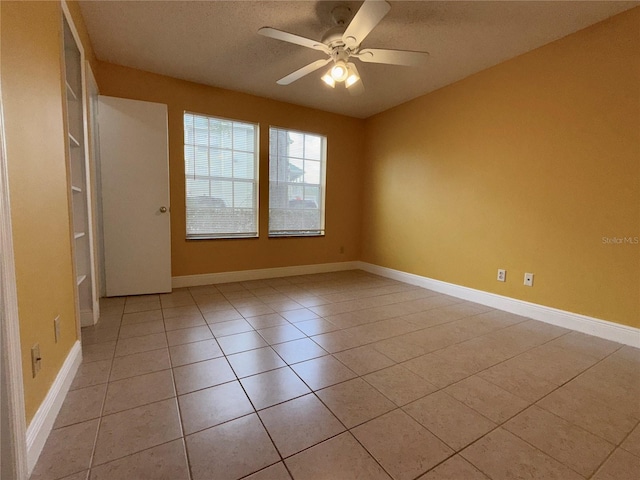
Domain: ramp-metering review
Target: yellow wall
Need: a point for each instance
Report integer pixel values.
(524, 166)
(343, 199)
(32, 97)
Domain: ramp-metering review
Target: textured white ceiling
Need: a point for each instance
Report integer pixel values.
(215, 43)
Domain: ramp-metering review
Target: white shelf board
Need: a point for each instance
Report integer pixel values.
(74, 142)
(71, 92)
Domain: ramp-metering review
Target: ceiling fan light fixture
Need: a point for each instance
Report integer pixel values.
(339, 72)
(328, 79)
(352, 76)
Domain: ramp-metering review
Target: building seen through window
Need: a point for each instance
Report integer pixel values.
(221, 169)
(297, 164)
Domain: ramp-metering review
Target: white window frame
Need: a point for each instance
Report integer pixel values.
(322, 188)
(210, 235)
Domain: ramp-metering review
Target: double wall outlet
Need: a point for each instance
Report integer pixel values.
(528, 279)
(502, 275)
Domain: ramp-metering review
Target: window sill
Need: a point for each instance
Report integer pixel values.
(190, 238)
(295, 235)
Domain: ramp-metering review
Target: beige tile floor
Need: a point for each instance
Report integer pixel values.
(341, 376)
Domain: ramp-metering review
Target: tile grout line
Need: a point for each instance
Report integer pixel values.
(255, 411)
(616, 447)
(178, 408)
(104, 401)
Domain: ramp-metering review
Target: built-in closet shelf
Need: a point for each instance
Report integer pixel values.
(74, 142)
(79, 186)
(71, 92)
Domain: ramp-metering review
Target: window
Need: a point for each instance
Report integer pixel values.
(221, 169)
(297, 164)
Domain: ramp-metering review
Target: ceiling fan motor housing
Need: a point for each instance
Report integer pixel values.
(341, 16)
(333, 37)
(338, 53)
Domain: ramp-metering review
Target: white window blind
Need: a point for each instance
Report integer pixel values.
(297, 166)
(221, 169)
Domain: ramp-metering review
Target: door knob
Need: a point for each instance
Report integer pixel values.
(163, 209)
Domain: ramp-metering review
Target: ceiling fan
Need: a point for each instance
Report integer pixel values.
(343, 43)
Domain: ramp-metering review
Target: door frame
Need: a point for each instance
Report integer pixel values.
(93, 94)
(13, 436)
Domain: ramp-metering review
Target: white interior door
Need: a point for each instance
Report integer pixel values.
(134, 163)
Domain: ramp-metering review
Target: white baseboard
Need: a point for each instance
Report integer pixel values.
(246, 275)
(42, 423)
(574, 321)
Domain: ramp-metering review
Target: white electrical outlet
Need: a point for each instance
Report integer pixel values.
(502, 275)
(528, 279)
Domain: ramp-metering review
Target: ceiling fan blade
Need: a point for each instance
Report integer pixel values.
(306, 70)
(358, 87)
(365, 20)
(393, 57)
(291, 38)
